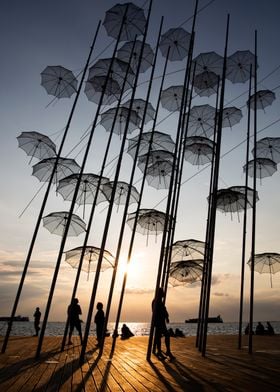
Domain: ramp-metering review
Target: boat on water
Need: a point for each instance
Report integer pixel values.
(217, 319)
(16, 318)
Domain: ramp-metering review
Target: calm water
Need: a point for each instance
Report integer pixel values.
(139, 329)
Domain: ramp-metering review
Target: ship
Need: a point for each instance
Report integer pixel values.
(217, 319)
(15, 318)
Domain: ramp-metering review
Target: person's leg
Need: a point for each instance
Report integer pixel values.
(71, 328)
(79, 328)
(167, 344)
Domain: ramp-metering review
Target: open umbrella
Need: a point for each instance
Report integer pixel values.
(185, 271)
(36, 145)
(94, 89)
(134, 23)
(199, 153)
(119, 117)
(268, 147)
(186, 249)
(65, 166)
(139, 105)
(171, 98)
(268, 262)
(242, 189)
(121, 192)
(208, 62)
(205, 83)
(201, 121)
(239, 65)
(59, 81)
(158, 175)
(264, 98)
(231, 116)
(160, 141)
(154, 157)
(232, 200)
(55, 222)
(124, 54)
(90, 258)
(177, 42)
(265, 168)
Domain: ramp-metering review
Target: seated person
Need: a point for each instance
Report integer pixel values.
(179, 333)
(259, 329)
(171, 332)
(269, 329)
(126, 332)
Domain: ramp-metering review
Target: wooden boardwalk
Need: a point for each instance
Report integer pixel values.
(225, 368)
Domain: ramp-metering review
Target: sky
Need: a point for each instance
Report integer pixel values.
(34, 34)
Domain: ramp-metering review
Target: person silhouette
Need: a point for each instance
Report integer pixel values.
(99, 320)
(37, 317)
(259, 329)
(161, 316)
(126, 332)
(269, 328)
(73, 311)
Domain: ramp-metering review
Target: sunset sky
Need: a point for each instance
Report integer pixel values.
(34, 34)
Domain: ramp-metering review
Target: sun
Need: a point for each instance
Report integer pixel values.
(135, 271)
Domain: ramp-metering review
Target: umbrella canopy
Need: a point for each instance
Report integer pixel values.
(205, 83)
(238, 66)
(201, 121)
(185, 249)
(56, 222)
(141, 107)
(242, 189)
(232, 200)
(185, 271)
(208, 62)
(158, 175)
(198, 153)
(160, 141)
(90, 258)
(154, 157)
(150, 221)
(124, 54)
(265, 167)
(177, 41)
(94, 88)
(264, 98)
(171, 98)
(119, 117)
(134, 23)
(199, 139)
(121, 192)
(268, 147)
(59, 81)
(65, 166)
(231, 116)
(266, 263)
(36, 145)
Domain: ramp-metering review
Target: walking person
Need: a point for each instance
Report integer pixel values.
(37, 317)
(99, 320)
(74, 311)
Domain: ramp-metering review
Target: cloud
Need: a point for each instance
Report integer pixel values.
(139, 291)
(220, 294)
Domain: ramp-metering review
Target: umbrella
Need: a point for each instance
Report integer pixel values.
(94, 88)
(199, 153)
(177, 42)
(268, 262)
(124, 54)
(231, 200)
(198, 139)
(268, 147)
(182, 249)
(36, 145)
(250, 193)
(185, 271)
(171, 98)
(134, 23)
(158, 175)
(119, 117)
(201, 121)
(205, 83)
(121, 192)
(87, 188)
(160, 141)
(231, 116)
(56, 222)
(265, 168)
(91, 256)
(59, 81)
(239, 65)
(65, 166)
(154, 157)
(119, 71)
(208, 62)
(139, 106)
(264, 98)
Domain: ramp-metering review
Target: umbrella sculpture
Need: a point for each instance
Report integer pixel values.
(239, 65)
(90, 258)
(140, 106)
(150, 221)
(185, 271)
(176, 41)
(265, 168)
(36, 145)
(184, 249)
(94, 89)
(231, 116)
(208, 62)
(206, 83)
(268, 147)
(201, 121)
(242, 189)
(59, 81)
(119, 117)
(171, 98)
(160, 141)
(158, 175)
(121, 192)
(264, 98)
(55, 222)
(153, 157)
(65, 166)
(124, 54)
(134, 23)
(199, 153)
(87, 188)
(268, 262)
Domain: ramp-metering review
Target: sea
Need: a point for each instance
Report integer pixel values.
(26, 328)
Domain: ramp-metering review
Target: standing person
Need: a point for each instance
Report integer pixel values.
(37, 317)
(74, 310)
(160, 318)
(269, 329)
(99, 320)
